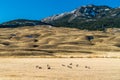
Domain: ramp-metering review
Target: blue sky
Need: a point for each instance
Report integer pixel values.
(38, 9)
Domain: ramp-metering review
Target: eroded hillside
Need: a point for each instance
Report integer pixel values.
(48, 41)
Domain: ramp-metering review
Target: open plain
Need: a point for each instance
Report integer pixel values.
(60, 69)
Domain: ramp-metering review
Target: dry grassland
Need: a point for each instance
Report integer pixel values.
(60, 69)
(58, 42)
(43, 53)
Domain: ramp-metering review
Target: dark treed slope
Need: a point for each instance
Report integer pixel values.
(20, 23)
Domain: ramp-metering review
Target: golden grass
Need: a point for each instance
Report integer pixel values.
(57, 42)
(25, 69)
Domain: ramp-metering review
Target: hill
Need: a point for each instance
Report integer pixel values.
(45, 41)
(21, 23)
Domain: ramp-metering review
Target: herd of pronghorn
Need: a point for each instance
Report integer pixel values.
(68, 66)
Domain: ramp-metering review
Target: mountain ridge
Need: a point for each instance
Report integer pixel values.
(89, 17)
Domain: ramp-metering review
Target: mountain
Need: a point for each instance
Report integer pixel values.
(21, 23)
(89, 17)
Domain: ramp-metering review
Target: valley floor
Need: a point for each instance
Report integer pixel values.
(60, 69)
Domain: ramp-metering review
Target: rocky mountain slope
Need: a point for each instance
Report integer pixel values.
(90, 17)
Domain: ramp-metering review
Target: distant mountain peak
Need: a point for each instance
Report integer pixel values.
(88, 15)
(83, 11)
